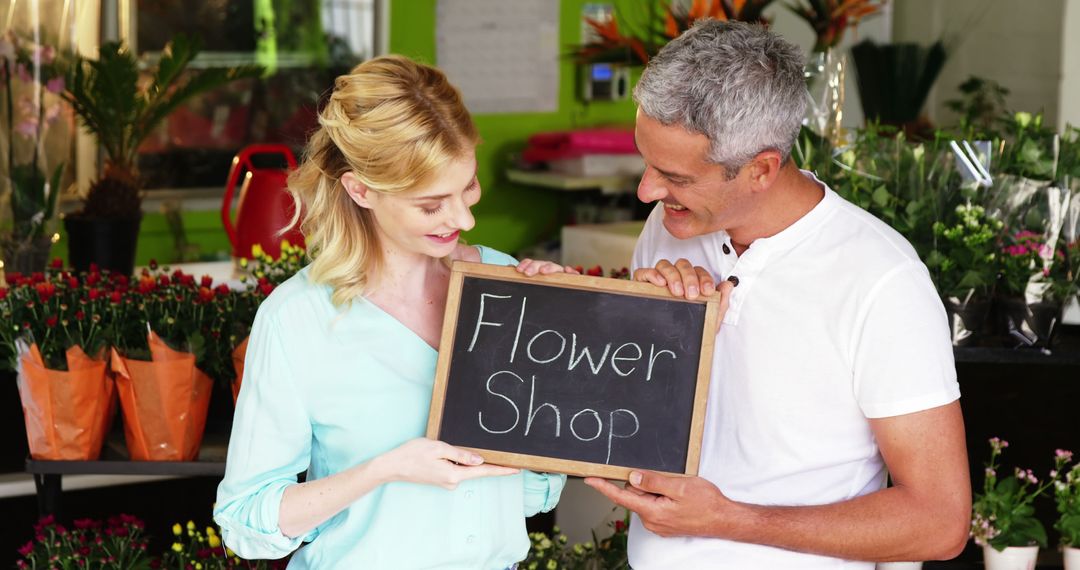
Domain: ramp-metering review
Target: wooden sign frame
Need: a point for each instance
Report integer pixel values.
(462, 269)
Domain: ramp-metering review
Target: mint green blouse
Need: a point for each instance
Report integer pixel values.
(324, 390)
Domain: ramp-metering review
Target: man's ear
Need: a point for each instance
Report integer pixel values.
(356, 189)
(764, 169)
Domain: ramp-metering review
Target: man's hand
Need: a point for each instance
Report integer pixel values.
(681, 278)
(670, 506)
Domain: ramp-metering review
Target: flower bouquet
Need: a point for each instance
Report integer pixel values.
(53, 335)
(163, 336)
(1003, 518)
(38, 134)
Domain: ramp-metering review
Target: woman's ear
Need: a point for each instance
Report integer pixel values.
(356, 189)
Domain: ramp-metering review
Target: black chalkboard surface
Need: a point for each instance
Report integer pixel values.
(572, 374)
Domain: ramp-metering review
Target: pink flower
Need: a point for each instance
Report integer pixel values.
(22, 73)
(1063, 454)
(44, 55)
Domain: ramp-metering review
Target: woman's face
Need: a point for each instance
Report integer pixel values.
(429, 219)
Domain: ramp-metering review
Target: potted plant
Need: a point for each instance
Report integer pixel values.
(963, 263)
(119, 543)
(163, 340)
(54, 336)
(1067, 498)
(121, 110)
(37, 144)
(1003, 519)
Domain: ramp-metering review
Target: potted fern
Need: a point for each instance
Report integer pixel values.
(120, 110)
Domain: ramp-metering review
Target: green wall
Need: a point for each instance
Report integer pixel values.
(509, 216)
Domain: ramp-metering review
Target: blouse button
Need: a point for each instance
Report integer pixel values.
(471, 539)
(727, 249)
(734, 280)
(468, 494)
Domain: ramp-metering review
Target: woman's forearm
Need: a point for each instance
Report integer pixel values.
(307, 505)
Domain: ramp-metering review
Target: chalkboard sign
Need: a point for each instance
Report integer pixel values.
(573, 374)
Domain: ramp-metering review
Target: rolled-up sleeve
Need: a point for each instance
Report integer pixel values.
(270, 444)
(542, 491)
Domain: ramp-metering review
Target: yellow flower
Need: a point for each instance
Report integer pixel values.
(257, 251)
(191, 525)
(177, 547)
(176, 529)
(210, 531)
(214, 541)
(552, 565)
(198, 566)
(243, 262)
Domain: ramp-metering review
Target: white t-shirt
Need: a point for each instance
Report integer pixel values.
(834, 321)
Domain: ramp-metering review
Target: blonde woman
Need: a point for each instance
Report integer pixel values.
(342, 356)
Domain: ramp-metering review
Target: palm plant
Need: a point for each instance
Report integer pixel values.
(107, 96)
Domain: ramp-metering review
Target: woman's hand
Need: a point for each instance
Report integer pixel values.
(531, 267)
(431, 462)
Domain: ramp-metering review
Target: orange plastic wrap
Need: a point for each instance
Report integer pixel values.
(68, 412)
(164, 401)
(238, 355)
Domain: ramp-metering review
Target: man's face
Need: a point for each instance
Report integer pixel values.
(698, 198)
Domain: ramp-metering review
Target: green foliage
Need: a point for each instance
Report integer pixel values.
(963, 260)
(981, 103)
(121, 111)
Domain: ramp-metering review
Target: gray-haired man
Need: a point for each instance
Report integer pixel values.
(832, 368)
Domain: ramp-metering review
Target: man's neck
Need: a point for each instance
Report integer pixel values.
(791, 197)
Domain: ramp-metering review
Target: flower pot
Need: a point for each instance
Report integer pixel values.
(967, 319)
(1011, 558)
(1071, 557)
(67, 413)
(108, 243)
(1029, 324)
(165, 402)
(238, 355)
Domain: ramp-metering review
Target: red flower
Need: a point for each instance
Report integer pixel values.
(37, 277)
(153, 264)
(27, 548)
(206, 281)
(45, 291)
(205, 295)
(3, 293)
(94, 268)
(93, 278)
(595, 271)
(620, 526)
(79, 315)
(56, 263)
(94, 293)
(222, 290)
(73, 282)
(50, 321)
(163, 280)
(266, 288)
(116, 297)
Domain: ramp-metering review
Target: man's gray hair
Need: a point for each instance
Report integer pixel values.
(736, 83)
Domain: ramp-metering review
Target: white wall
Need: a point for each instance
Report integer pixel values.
(1070, 66)
(1017, 44)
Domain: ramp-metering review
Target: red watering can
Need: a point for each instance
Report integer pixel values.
(264, 207)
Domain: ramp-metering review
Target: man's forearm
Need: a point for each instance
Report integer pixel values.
(890, 525)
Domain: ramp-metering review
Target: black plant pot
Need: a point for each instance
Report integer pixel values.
(1028, 324)
(108, 243)
(967, 319)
